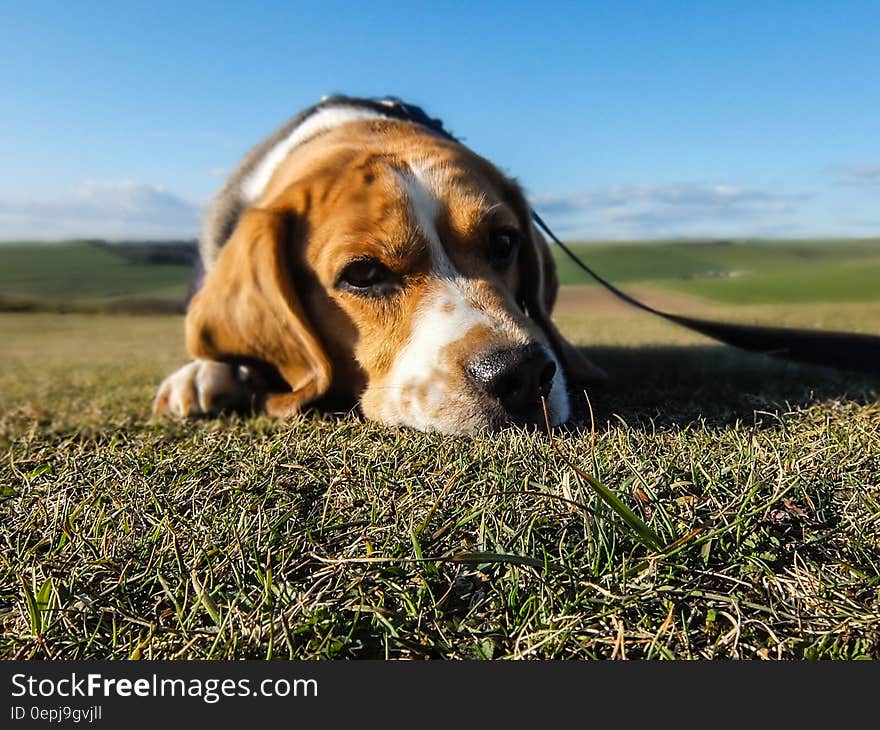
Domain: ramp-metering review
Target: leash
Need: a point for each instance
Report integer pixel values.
(844, 350)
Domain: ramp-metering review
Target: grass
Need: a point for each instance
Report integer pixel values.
(329, 537)
(742, 272)
(84, 273)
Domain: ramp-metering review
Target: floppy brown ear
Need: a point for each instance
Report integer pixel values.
(248, 308)
(539, 289)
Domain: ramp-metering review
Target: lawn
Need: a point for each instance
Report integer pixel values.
(328, 537)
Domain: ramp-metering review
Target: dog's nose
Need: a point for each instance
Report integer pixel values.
(517, 377)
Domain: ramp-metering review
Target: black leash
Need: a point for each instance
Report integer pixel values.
(846, 350)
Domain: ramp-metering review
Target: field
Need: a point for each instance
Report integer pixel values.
(329, 537)
(83, 275)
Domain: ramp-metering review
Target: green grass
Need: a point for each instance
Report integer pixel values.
(80, 272)
(328, 537)
(742, 272)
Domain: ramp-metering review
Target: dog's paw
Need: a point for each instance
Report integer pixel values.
(202, 388)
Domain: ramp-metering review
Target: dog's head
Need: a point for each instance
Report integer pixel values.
(398, 268)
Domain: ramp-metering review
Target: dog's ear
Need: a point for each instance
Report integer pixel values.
(248, 308)
(538, 289)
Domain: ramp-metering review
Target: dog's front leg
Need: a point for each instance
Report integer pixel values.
(204, 388)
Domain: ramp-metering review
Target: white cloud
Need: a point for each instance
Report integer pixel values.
(685, 209)
(113, 210)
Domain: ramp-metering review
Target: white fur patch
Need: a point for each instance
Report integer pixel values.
(257, 180)
(418, 369)
(438, 323)
(421, 189)
(558, 406)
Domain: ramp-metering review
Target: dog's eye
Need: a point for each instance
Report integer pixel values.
(503, 246)
(367, 277)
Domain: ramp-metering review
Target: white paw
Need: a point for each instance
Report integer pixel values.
(203, 387)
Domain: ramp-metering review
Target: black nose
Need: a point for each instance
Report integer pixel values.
(517, 378)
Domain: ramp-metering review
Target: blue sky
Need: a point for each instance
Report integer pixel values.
(622, 120)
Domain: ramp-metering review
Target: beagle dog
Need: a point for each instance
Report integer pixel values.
(362, 255)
